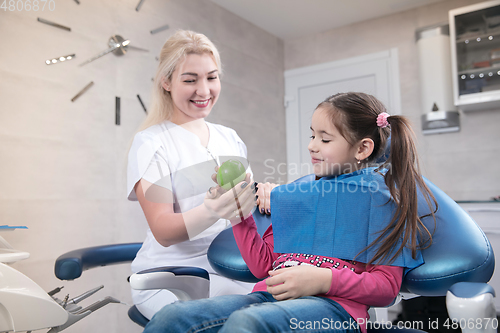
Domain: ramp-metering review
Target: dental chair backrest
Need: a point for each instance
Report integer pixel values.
(460, 251)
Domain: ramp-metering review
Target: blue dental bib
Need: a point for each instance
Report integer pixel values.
(336, 217)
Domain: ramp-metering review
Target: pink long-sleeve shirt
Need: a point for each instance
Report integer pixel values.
(355, 286)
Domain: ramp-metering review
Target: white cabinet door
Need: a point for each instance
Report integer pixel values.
(376, 74)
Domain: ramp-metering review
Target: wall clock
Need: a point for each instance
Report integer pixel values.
(117, 45)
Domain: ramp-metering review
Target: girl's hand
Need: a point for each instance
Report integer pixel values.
(235, 204)
(264, 197)
(297, 281)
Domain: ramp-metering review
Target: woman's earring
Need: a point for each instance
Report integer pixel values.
(359, 161)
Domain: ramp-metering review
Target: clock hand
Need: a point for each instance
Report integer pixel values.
(83, 91)
(132, 47)
(53, 24)
(120, 44)
(116, 43)
(117, 39)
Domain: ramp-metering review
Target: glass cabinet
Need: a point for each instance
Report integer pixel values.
(475, 46)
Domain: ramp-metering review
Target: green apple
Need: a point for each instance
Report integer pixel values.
(230, 173)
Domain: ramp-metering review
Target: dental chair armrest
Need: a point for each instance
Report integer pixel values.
(471, 305)
(70, 265)
(184, 282)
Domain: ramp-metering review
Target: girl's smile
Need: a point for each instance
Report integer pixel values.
(315, 160)
(331, 154)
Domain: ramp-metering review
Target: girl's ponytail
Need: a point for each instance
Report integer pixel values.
(403, 178)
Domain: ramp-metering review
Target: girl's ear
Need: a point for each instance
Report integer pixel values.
(365, 149)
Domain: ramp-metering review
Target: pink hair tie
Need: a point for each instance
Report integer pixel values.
(382, 120)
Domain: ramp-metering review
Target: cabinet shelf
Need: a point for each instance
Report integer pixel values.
(483, 37)
(495, 70)
(475, 55)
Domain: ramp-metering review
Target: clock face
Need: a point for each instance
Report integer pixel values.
(62, 157)
(117, 46)
(65, 129)
(82, 55)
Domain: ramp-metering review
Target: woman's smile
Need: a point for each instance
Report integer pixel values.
(201, 103)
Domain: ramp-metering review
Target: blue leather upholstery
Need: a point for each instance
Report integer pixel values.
(70, 265)
(460, 251)
(136, 316)
(224, 255)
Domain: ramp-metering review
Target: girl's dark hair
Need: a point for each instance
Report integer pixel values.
(355, 117)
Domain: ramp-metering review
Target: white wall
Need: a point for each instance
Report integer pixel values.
(62, 170)
(463, 164)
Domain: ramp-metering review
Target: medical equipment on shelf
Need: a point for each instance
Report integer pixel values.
(25, 306)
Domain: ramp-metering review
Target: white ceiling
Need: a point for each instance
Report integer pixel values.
(290, 19)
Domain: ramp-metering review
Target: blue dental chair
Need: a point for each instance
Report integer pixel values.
(458, 264)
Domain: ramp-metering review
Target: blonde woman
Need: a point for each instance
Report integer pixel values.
(170, 165)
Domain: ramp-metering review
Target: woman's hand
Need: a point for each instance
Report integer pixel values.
(234, 204)
(264, 197)
(297, 281)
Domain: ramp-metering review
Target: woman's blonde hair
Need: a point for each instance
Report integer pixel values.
(175, 49)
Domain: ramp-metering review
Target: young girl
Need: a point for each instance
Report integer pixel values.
(322, 278)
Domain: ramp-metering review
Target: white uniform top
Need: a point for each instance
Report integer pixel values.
(172, 157)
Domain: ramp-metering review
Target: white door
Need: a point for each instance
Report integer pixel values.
(376, 74)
